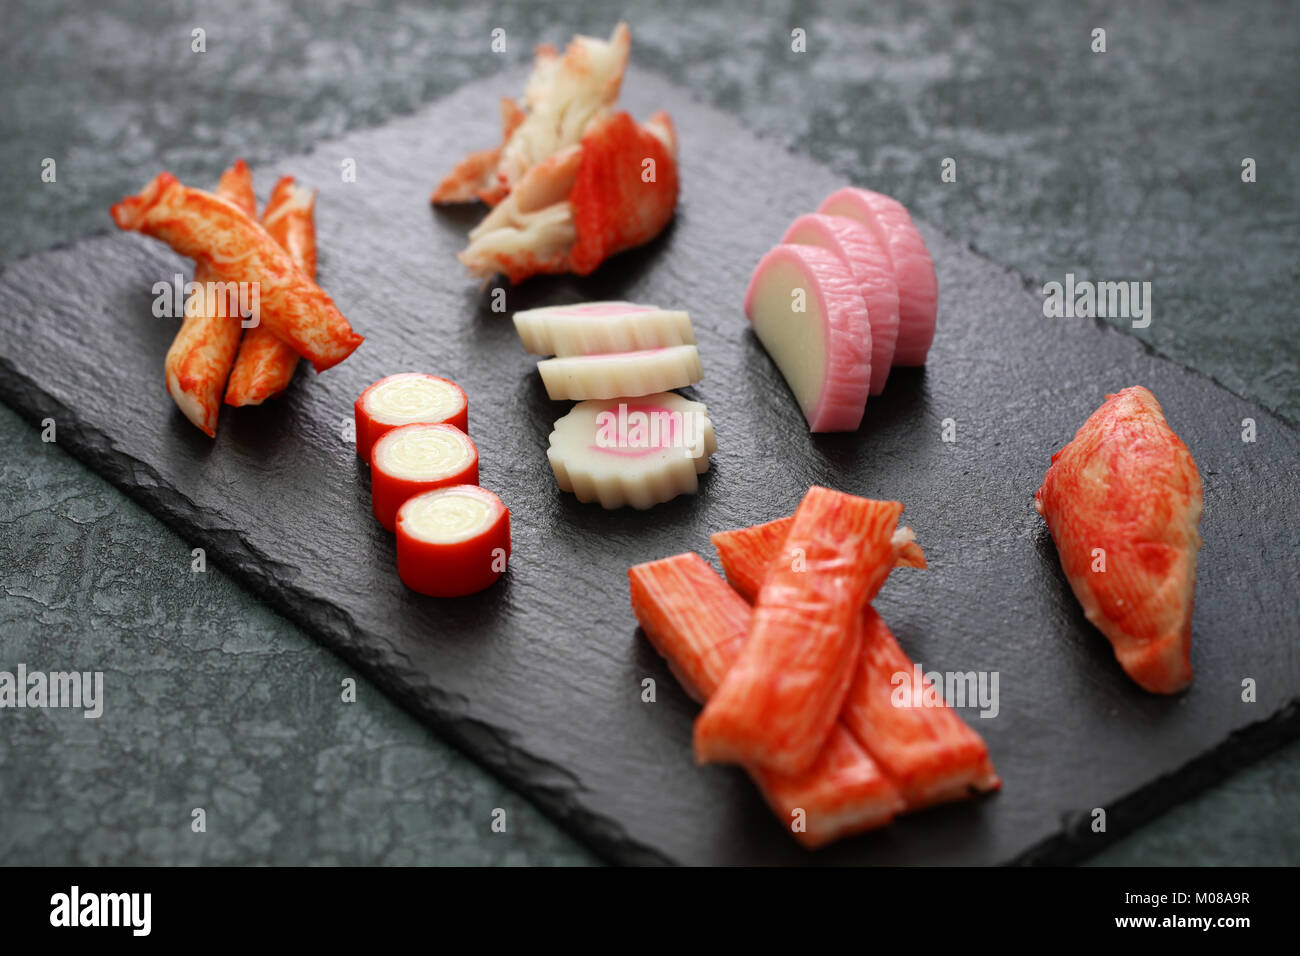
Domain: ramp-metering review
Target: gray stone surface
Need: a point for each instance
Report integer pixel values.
(1123, 165)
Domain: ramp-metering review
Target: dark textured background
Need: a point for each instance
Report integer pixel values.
(1102, 165)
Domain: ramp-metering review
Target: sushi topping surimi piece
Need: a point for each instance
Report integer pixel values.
(1123, 503)
(637, 452)
(411, 459)
(806, 307)
(206, 345)
(620, 374)
(785, 690)
(927, 750)
(874, 271)
(699, 624)
(592, 328)
(404, 399)
(452, 541)
(236, 248)
(918, 288)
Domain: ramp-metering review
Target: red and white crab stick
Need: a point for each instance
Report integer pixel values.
(415, 458)
(452, 541)
(405, 399)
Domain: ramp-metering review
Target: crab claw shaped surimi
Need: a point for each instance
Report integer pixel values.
(614, 190)
(1123, 501)
(563, 96)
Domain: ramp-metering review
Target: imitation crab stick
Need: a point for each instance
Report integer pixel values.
(452, 541)
(806, 308)
(415, 458)
(639, 452)
(620, 374)
(265, 365)
(404, 399)
(784, 693)
(1123, 502)
(592, 328)
(926, 749)
(918, 288)
(874, 271)
(699, 624)
(747, 553)
(201, 355)
(217, 234)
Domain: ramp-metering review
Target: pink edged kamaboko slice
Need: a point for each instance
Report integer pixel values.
(405, 399)
(632, 451)
(872, 267)
(806, 308)
(412, 459)
(918, 288)
(620, 374)
(452, 541)
(591, 328)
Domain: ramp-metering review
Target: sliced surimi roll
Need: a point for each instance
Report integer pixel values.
(918, 288)
(594, 327)
(404, 399)
(452, 541)
(410, 459)
(632, 451)
(620, 374)
(806, 309)
(872, 267)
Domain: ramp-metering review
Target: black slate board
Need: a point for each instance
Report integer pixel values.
(540, 676)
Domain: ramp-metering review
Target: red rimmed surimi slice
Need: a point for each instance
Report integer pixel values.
(591, 328)
(452, 541)
(872, 267)
(918, 288)
(632, 451)
(411, 459)
(806, 309)
(405, 399)
(620, 374)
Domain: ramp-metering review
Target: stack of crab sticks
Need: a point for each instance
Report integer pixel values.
(797, 671)
(573, 182)
(848, 293)
(212, 355)
(629, 440)
(453, 537)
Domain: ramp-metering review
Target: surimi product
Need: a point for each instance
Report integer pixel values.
(874, 271)
(265, 365)
(699, 624)
(404, 399)
(620, 374)
(807, 309)
(918, 288)
(452, 541)
(592, 328)
(632, 451)
(210, 230)
(411, 459)
(783, 695)
(201, 355)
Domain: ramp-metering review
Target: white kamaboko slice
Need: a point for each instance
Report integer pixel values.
(918, 288)
(632, 451)
(874, 271)
(592, 328)
(804, 304)
(620, 374)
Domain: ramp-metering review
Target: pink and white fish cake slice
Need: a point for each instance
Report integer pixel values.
(806, 308)
(872, 267)
(918, 288)
(632, 451)
(591, 328)
(620, 374)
